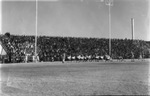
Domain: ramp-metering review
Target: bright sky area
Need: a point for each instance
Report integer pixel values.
(76, 18)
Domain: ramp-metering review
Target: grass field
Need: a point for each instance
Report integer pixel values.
(76, 79)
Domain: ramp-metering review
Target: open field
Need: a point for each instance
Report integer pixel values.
(76, 79)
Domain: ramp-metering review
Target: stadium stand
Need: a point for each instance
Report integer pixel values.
(22, 48)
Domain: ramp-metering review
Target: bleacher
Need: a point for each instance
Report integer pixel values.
(53, 48)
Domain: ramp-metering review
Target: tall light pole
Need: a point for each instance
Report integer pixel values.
(0, 16)
(109, 3)
(132, 27)
(36, 25)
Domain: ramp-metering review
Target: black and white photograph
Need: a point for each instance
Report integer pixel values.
(74, 47)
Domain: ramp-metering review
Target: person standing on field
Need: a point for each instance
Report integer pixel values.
(63, 57)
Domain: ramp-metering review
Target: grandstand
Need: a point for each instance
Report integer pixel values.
(3, 52)
(22, 48)
(32, 64)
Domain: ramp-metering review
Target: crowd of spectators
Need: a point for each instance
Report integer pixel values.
(52, 48)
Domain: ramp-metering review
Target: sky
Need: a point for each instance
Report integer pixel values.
(76, 18)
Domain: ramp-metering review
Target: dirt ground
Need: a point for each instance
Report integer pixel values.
(75, 79)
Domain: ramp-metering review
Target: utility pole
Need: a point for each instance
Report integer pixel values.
(109, 3)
